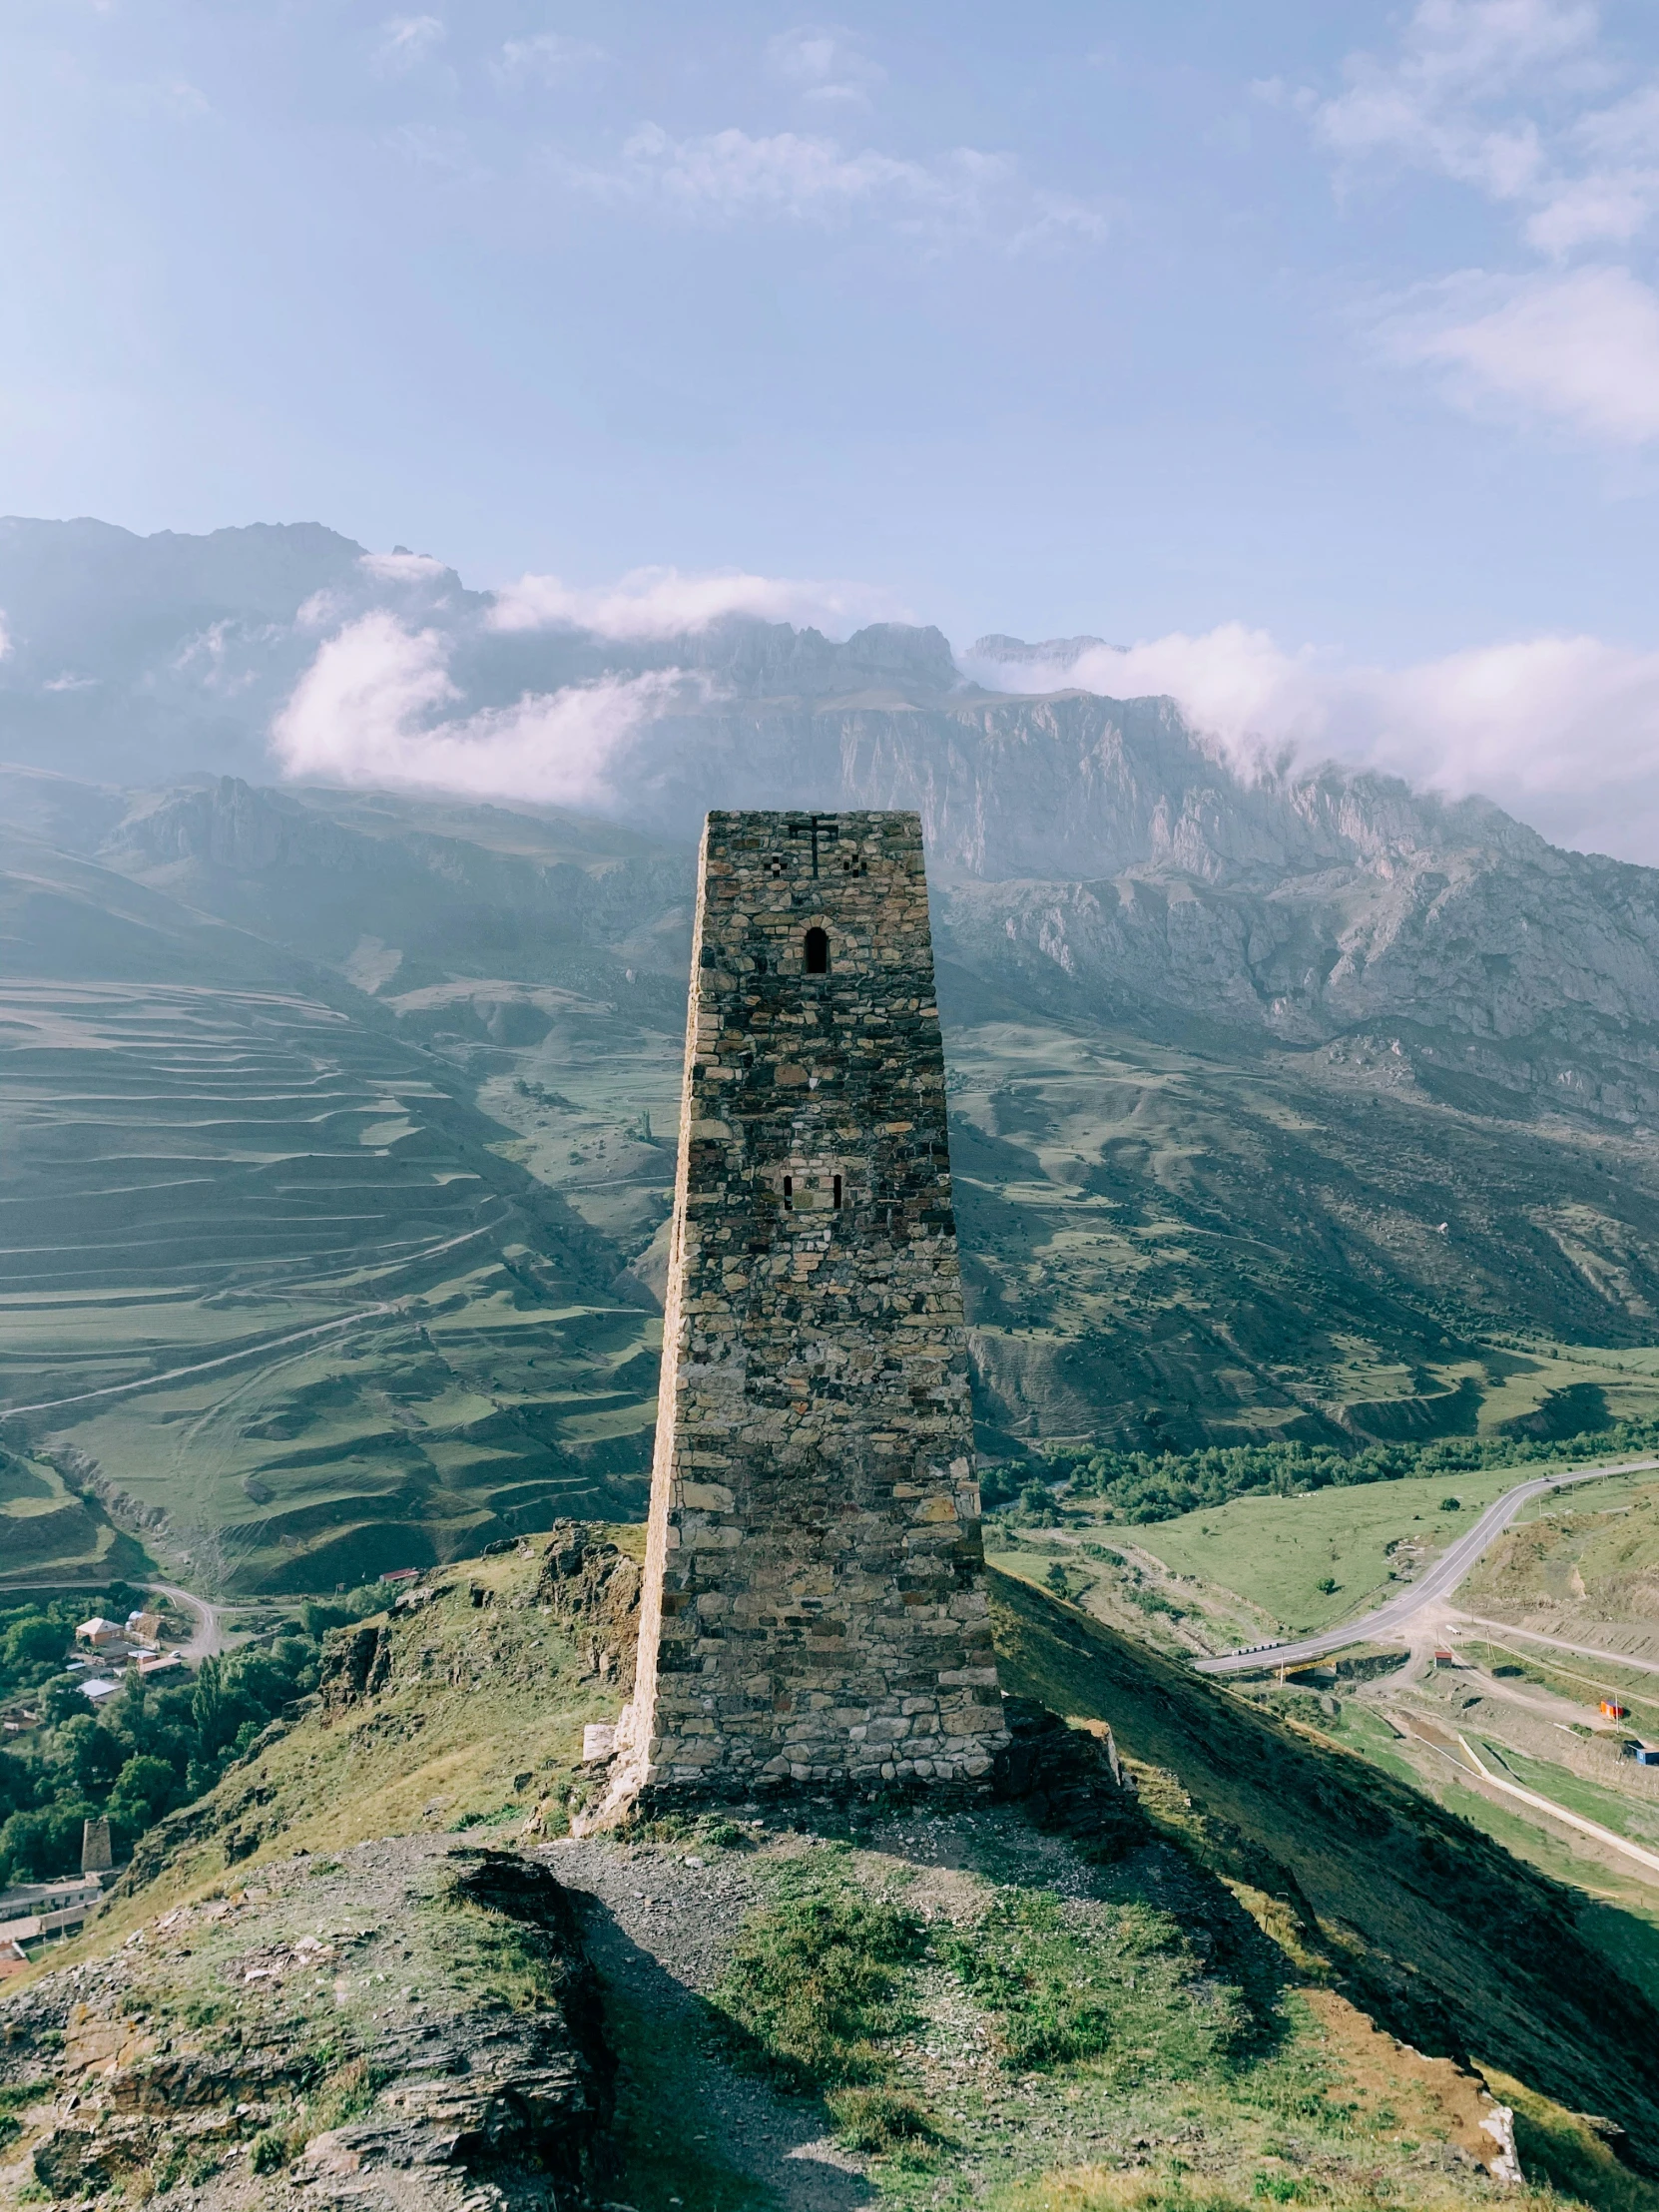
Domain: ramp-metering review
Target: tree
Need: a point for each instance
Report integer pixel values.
(142, 1791)
(43, 1842)
(33, 1638)
(88, 1756)
(61, 1700)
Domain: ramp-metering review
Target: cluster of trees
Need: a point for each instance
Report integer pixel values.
(1145, 1486)
(153, 1746)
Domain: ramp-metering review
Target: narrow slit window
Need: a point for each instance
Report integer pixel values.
(838, 1194)
(818, 952)
(789, 1194)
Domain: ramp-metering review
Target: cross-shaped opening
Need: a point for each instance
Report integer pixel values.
(820, 826)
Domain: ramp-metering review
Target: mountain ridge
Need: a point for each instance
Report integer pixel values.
(1285, 1104)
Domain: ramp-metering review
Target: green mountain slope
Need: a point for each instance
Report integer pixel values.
(227, 1167)
(281, 1060)
(1436, 1930)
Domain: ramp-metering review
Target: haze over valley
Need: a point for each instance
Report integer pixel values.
(1288, 1104)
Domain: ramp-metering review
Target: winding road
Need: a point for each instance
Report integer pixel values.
(1438, 1581)
(207, 1639)
(206, 1366)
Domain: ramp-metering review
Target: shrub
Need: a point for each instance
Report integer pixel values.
(877, 2119)
(816, 1980)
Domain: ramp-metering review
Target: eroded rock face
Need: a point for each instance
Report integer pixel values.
(357, 1662)
(594, 1592)
(414, 2024)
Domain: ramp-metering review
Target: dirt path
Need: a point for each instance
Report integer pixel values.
(1560, 1643)
(659, 1929)
(209, 1637)
(204, 1366)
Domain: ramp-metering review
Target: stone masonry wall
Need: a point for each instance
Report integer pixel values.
(815, 1606)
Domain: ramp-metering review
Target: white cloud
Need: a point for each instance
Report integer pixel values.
(1580, 350)
(1607, 207)
(1512, 98)
(825, 66)
(405, 40)
(5, 637)
(1562, 729)
(728, 174)
(1499, 95)
(547, 59)
(374, 709)
(404, 568)
(663, 603)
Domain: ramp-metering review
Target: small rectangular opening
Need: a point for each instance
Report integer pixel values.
(838, 1194)
(789, 1194)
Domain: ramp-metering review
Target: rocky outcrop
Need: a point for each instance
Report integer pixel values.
(357, 1662)
(411, 2024)
(593, 1591)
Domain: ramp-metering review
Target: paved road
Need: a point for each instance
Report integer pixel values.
(1437, 1581)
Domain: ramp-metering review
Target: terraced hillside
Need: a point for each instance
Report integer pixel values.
(359, 1107)
(267, 1290)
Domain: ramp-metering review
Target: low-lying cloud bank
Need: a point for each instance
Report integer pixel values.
(371, 710)
(1563, 732)
(665, 602)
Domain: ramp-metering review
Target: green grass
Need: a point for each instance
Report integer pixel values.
(1066, 1983)
(1584, 1681)
(983, 2017)
(1278, 1551)
(816, 1979)
(1590, 1800)
(1432, 1929)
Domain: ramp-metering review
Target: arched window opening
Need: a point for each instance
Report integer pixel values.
(818, 952)
(838, 1194)
(789, 1194)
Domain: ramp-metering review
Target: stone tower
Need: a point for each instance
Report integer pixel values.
(815, 1606)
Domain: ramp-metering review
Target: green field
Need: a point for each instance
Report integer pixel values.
(1276, 1552)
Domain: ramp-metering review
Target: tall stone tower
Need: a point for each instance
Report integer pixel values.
(815, 1606)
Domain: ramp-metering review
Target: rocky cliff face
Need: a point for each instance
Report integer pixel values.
(1098, 855)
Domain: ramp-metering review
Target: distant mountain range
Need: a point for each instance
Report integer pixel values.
(1286, 1104)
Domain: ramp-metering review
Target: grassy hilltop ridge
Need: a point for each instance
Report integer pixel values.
(1260, 1977)
(404, 1072)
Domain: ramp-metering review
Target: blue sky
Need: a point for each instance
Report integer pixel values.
(1327, 327)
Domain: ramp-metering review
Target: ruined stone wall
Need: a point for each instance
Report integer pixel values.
(815, 1605)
